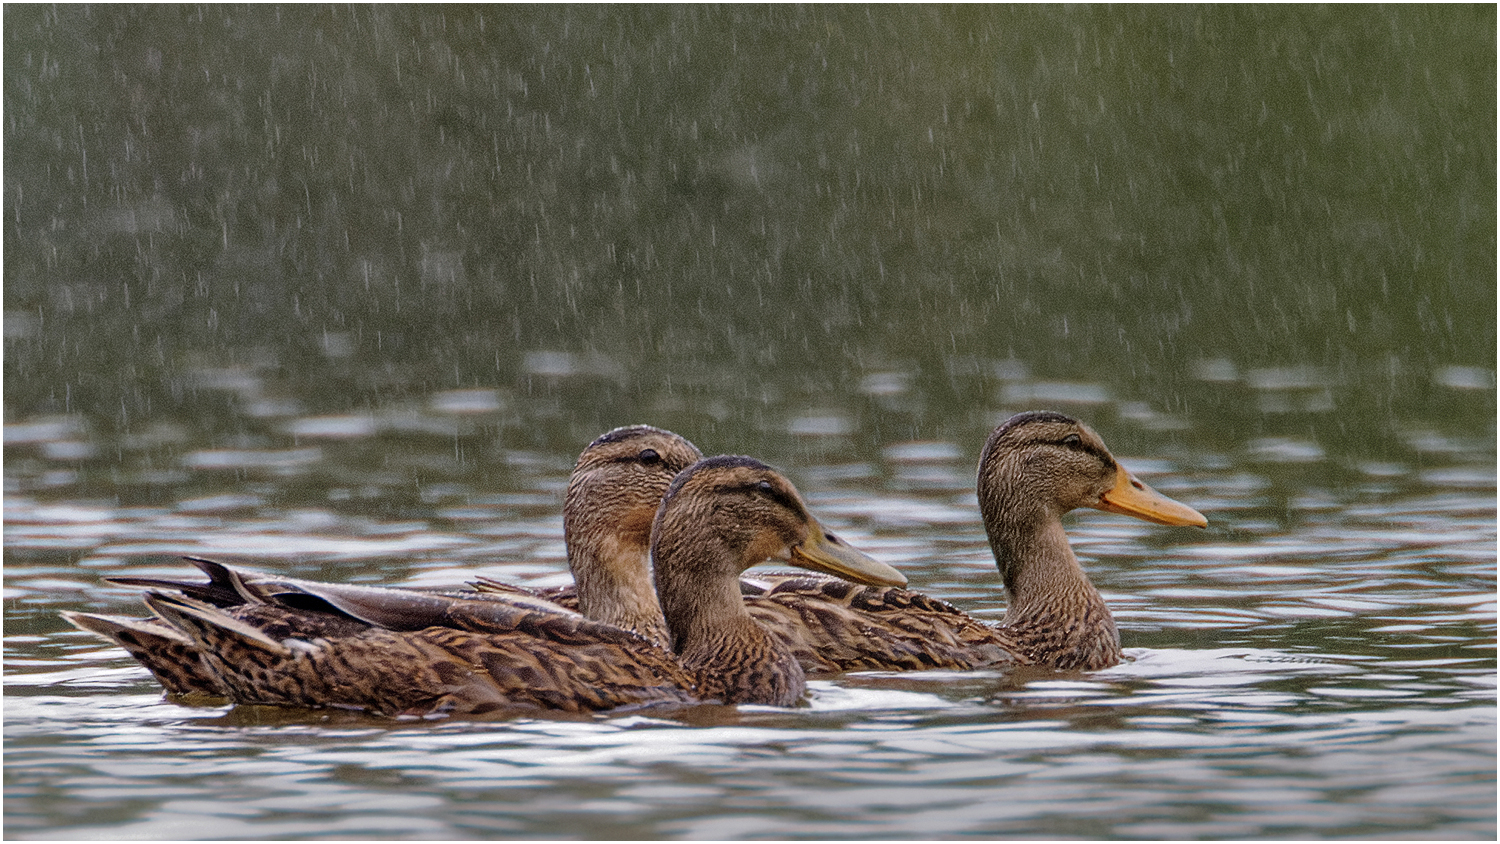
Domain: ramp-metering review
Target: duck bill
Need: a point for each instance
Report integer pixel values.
(826, 553)
(1133, 498)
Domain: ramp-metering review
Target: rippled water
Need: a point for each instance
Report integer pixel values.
(1318, 663)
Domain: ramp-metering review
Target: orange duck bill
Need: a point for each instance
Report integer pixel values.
(1133, 498)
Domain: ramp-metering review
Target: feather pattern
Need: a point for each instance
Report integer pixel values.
(263, 639)
(1035, 467)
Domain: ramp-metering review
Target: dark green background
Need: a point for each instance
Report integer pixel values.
(731, 214)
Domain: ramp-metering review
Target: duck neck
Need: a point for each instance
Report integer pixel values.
(613, 578)
(699, 588)
(1055, 612)
(1039, 569)
(736, 660)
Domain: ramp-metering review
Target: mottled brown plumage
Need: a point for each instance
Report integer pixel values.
(169, 654)
(1034, 468)
(727, 514)
(612, 497)
(294, 643)
(834, 625)
(560, 661)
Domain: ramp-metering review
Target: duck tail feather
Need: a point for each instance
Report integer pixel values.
(113, 627)
(219, 590)
(206, 624)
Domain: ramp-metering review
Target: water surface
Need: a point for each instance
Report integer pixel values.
(1276, 668)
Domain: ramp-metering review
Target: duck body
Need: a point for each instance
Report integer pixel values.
(557, 662)
(262, 639)
(832, 625)
(613, 496)
(303, 644)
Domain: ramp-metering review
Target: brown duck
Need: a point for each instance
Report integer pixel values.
(292, 643)
(612, 498)
(1035, 467)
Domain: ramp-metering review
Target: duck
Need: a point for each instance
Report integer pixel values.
(612, 496)
(298, 644)
(1035, 467)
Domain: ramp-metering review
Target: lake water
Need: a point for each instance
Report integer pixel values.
(341, 293)
(1319, 668)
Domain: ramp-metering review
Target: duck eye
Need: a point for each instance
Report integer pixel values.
(1072, 441)
(649, 457)
(764, 486)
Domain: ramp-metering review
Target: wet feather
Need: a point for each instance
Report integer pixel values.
(392, 651)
